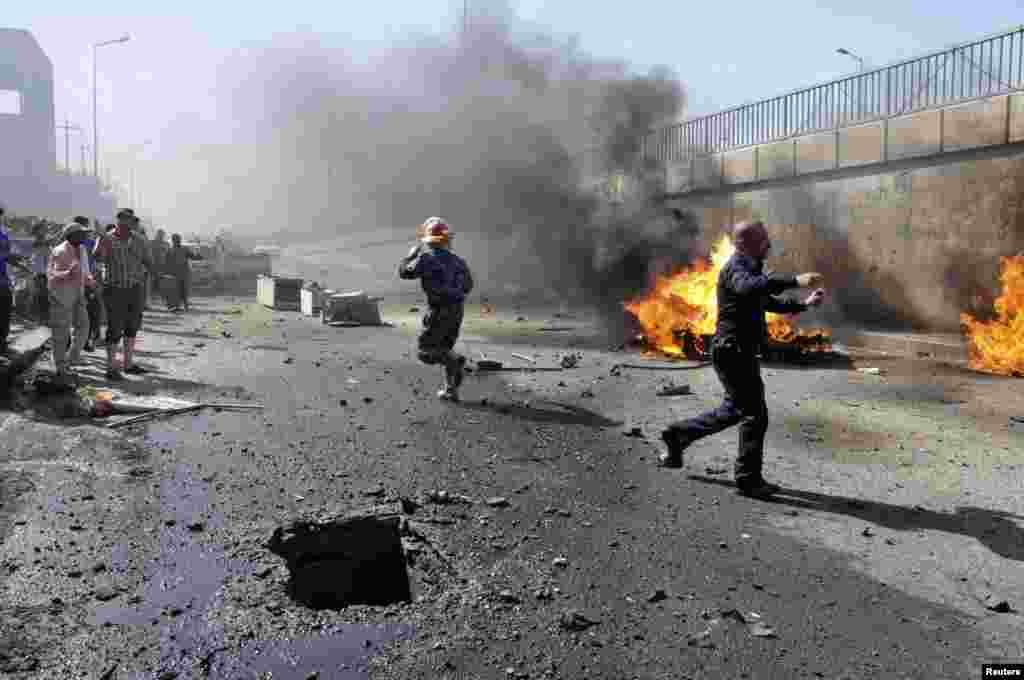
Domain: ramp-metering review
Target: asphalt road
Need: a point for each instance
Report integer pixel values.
(143, 553)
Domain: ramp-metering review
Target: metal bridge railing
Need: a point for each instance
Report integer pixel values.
(990, 66)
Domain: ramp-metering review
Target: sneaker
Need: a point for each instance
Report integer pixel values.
(757, 488)
(114, 374)
(448, 394)
(676, 444)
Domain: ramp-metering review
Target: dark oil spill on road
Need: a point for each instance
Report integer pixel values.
(182, 584)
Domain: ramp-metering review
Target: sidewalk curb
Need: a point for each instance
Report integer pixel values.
(947, 348)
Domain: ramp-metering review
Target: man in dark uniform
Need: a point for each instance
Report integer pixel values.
(446, 281)
(745, 293)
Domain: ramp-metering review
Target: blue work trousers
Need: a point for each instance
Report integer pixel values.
(739, 371)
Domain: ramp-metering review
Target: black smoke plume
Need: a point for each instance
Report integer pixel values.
(485, 129)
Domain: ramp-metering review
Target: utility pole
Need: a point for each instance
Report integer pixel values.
(84, 166)
(67, 127)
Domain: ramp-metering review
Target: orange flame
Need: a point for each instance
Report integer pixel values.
(687, 302)
(997, 346)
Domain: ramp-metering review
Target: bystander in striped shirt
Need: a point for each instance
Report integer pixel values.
(126, 258)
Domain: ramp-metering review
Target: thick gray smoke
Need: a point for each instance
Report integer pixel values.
(482, 129)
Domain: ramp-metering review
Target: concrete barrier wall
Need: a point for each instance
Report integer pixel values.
(975, 124)
(861, 144)
(815, 152)
(900, 250)
(918, 134)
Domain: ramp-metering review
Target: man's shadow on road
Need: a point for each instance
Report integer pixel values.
(995, 529)
(565, 414)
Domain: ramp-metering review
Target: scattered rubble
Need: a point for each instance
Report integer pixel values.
(571, 360)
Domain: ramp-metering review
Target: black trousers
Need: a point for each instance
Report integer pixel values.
(92, 306)
(739, 371)
(441, 326)
(124, 312)
(6, 306)
(41, 298)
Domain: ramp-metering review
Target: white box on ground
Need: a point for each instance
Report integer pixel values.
(312, 301)
(279, 292)
(355, 308)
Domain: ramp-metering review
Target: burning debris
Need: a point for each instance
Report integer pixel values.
(678, 314)
(997, 346)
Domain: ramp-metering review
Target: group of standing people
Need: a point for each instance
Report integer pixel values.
(94, 277)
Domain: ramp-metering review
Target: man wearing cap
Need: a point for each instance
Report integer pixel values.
(127, 265)
(446, 280)
(66, 279)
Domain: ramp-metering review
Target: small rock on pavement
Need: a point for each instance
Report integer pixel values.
(544, 594)
(995, 604)
(289, 360)
(105, 593)
(508, 597)
(634, 432)
(867, 533)
(560, 562)
(497, 502)
(657, 596)
(575, 620)
(196, 526)
(700, 639)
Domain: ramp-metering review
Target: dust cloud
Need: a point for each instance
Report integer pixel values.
(484, 128)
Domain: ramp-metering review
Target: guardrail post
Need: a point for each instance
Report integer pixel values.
(942, 129)
(1009, 109)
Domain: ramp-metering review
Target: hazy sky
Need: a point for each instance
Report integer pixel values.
(161, 86)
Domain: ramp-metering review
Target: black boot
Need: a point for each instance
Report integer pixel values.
(676, 443)
(756, 487)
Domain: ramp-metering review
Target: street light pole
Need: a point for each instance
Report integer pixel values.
(95, 125)
(848, 53)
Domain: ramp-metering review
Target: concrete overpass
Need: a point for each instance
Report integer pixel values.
(961, 103)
